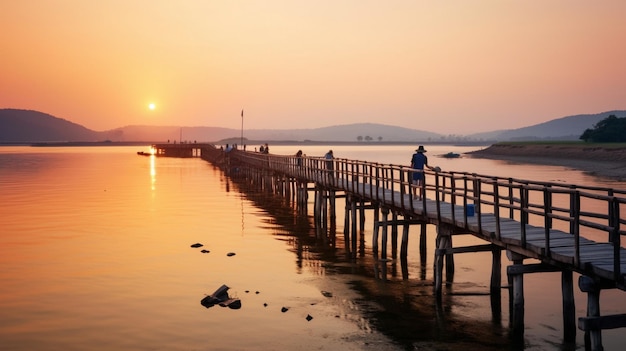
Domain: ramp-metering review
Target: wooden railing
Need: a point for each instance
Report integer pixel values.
(590, 212)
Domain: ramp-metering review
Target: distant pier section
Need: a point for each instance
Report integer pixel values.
(183, 149)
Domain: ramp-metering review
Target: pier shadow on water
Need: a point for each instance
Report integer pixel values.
(398, 300)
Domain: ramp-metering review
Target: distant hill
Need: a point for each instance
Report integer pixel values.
(347, 132)
(342, 133)
(19, 126)
(25, 126)
(565, 128)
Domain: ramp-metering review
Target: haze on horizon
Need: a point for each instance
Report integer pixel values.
(450, 67)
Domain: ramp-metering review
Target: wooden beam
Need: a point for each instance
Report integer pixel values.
(517, 269)
(602, 322)
(474, 248)
(401, 221)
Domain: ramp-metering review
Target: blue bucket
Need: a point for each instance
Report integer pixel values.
(470, 210)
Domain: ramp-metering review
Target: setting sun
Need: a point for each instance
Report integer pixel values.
(151, 106)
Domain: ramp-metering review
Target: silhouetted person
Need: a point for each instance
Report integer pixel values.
(418, 162)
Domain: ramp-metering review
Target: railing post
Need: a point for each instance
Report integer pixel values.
(511, 209)
(377, 182)
(437, 201)
(572, 206)
(523, 196)
(465, 195)
(351, 184)
(477, 202)
(547, 219)
(393, 197)
(612, 220)
(575, 214)
(496, 205)
(369, 174)
(614, 215)
(452, 196)
(402, 188)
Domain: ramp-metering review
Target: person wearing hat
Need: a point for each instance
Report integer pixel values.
(418, 162)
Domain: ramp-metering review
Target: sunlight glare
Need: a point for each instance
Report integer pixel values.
(151, 106)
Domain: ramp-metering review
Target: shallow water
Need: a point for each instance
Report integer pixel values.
(95, 249)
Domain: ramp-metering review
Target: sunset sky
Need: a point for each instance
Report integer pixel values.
(450, 67)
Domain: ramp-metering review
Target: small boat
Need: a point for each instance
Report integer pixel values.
(143, 153)
(451, 155)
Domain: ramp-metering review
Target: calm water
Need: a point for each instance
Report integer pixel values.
(95, 255)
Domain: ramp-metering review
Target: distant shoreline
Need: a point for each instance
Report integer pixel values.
(604, 160)
(247, 142)
(80, 143)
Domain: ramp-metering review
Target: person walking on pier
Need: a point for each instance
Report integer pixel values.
(299, 158)
(418, 162)
(329, 156)
(330, 164)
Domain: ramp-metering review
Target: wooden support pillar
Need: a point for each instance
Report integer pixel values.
(495, 295)
(346, 221)
(569, 307)
(289, 194)
(496, 272)
(332, 209)
(593, 337)
(423, 244)
(404, 245)
(324, 211)
(356, 235)
(518, 306)
(316, 207)
(449, 262)
(444, 235)
(376, 231)
(516, 298)
(353, 236)
(383, 250)
(318, 216)
(394, 236)
(362, 216)
(302, 197)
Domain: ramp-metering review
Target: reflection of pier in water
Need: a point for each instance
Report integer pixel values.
(563, 226)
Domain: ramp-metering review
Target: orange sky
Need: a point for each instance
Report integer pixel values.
(451, 67)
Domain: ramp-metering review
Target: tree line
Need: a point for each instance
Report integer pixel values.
(609, 130)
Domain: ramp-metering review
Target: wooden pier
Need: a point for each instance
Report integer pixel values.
(561, 227)
(180, 149)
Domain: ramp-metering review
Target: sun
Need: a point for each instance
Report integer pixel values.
(151, 106)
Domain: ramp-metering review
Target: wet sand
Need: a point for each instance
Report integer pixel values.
(609, 162)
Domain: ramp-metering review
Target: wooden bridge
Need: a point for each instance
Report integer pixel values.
(562, 227)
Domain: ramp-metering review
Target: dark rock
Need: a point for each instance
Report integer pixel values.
(220, 295)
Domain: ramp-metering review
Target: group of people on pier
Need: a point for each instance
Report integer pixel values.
(419, 161)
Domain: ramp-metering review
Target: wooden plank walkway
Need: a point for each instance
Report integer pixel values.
(595, 257)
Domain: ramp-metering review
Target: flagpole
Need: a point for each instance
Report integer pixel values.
(241, 145)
